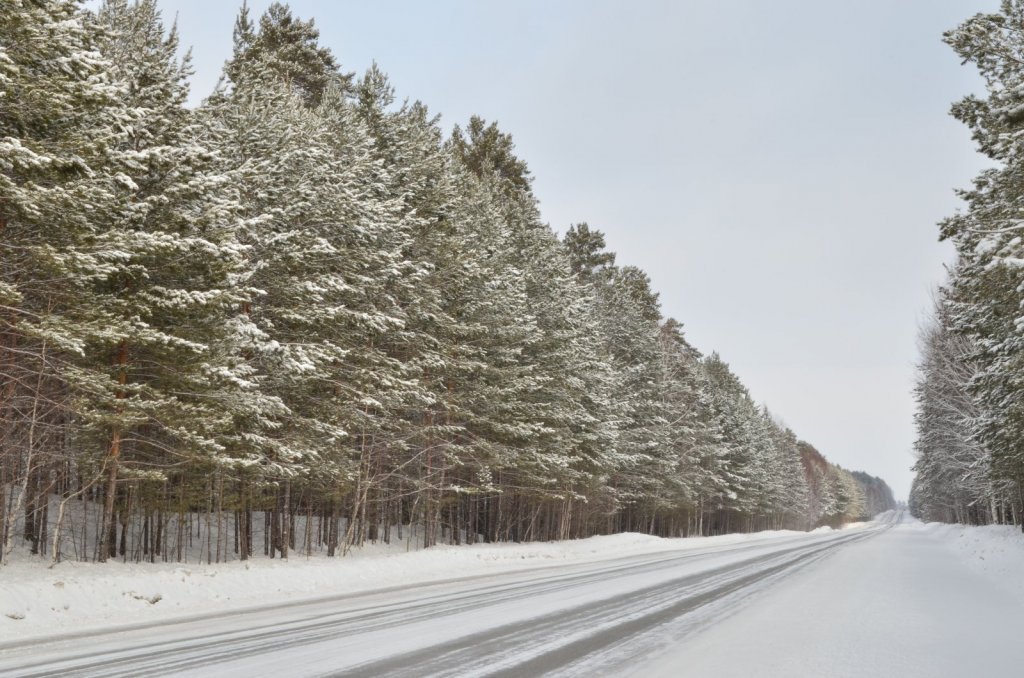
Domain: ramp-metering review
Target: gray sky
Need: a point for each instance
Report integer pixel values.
(777, 167)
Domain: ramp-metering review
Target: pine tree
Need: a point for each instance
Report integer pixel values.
(984, 296)
(171, 290)
(327, 245)
(288, 48)
(685, 433)
(58, 115)
(302, 299)
(954, 470)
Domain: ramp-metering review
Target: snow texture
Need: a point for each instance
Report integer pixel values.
(72, 595)
(924, 600)
(882, 598)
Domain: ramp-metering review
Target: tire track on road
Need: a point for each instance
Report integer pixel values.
(617, 616)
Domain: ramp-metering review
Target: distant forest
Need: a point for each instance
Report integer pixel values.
(970, 393)
(302, 316)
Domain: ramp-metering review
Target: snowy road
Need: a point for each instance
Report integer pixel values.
(587, 619)
(918, 601)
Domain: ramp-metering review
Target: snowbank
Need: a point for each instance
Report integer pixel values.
(994, 551)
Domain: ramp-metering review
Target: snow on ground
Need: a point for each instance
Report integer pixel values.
(582, 619)
(993, 551)
(918, 600)
(905, 600)
(35, 600)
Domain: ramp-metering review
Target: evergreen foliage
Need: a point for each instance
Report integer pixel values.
(970, 417)
(302, 299)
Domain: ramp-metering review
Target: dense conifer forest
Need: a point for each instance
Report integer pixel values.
(302, 316)
(970, 417)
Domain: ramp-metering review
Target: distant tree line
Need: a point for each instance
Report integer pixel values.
(970, 392)
(301, 317)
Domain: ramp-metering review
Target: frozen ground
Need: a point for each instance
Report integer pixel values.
(919, 600)
(883, 598)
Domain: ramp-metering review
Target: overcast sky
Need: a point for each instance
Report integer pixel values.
(777, 167)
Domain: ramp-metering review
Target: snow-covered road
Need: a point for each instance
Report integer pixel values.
(919, 601)
(577, 620)
(824, 604)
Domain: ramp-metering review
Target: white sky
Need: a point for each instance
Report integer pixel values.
(776, 167)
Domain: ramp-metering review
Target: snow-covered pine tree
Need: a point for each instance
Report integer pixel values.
(985, 292)
(568, 400)
(629, 315)
(648, 421)
(954, 478)
(300, 299)
(786, 497)
(820, 502)
(380, 280)
(171, 287)
(425, 460)
(59, 114)
(733, 413)
(286, 47)
(679, 387)
(849, 495)
(326, 242)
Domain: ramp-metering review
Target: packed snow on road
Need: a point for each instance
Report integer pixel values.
(889, 597)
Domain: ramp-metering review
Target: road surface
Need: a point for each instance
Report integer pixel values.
(632, 614)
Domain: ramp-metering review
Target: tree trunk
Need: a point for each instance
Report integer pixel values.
(113, 458)
(285, 518)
